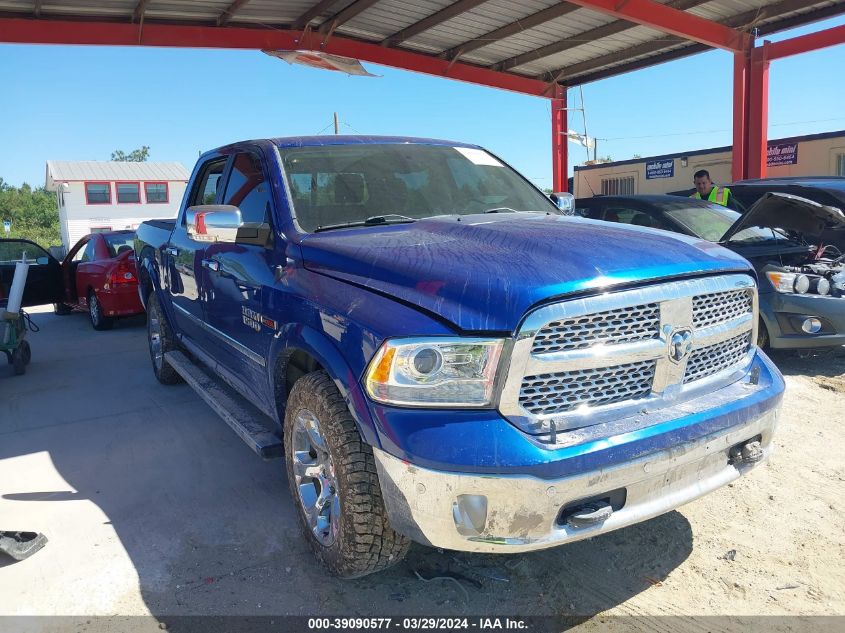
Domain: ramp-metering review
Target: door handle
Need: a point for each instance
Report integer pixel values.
(211, 264)
(173, 252)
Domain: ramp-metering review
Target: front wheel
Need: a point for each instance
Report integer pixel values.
(21, 357)
(99, 321)
(333, 480)
(762, 336)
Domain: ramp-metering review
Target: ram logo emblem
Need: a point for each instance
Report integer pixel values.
(680, 345)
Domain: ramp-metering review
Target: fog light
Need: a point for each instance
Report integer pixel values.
(470, 514)
(811, 326)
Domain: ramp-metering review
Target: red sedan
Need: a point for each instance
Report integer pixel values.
(100, 276)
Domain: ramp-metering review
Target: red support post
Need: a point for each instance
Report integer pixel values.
(758, 112)
(740, 108)
(560, 155)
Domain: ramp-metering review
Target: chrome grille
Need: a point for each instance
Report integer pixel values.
(715, 358)
(621, 325)
(565, 391)
(581, 362)
(719, 307)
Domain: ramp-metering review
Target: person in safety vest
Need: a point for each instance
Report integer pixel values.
(706, 190)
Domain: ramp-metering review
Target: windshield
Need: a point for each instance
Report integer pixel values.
(340, 184)
(711, 222)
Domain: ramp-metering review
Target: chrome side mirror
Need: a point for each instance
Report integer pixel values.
(564, 201)
(213, 222)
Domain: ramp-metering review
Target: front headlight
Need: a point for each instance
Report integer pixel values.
(435, 372)
(789, 282)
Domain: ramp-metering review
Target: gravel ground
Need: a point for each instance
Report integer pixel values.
(153, 506)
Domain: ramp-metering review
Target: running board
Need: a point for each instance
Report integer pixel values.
(229, 405)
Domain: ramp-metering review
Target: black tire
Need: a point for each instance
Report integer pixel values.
(19, 360)
(95, 313)
(61, 309)
(363, 541)
(26, 352)
(762, 336)
(160, 340)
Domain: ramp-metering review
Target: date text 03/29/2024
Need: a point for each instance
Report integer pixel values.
(418, 624)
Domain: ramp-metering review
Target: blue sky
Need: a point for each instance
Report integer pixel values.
(80, 103)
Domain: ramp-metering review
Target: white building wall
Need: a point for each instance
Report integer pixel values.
(78, 218)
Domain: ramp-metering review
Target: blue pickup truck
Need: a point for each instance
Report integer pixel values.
(441, 356)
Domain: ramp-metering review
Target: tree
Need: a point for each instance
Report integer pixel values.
(135, 156)
(34, 213)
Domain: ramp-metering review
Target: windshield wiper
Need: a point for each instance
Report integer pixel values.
(375, 220)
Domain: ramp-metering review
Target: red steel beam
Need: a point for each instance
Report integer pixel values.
(31, 31)
(560, 155)
(740, 116)
(758, 112)
(807, 43)
(669, 20)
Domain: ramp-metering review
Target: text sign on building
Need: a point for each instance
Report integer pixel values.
(660, 169)
(785, 154)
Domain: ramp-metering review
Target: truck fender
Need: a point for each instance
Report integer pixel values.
(299, 337)
(148, 278)
(149, 281)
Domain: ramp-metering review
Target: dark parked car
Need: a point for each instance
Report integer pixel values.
(802, 277)
(826, 190)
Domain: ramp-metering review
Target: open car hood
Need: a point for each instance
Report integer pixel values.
(792, 214)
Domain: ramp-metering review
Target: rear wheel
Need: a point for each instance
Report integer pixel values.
(333, 480)
(161, 341)
(99, 321)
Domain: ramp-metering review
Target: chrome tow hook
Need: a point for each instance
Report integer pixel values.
(589, 514)
(750, 453)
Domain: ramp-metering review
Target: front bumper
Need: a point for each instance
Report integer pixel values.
(524, 513)
(514, 512)
(120, 300)
(783, 313)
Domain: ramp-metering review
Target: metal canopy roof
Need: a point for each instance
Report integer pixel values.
(545, 40)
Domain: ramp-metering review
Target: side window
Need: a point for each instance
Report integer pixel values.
(624, 215)
(80, 251)
(15, 250)
(205, 191)
(248, 189)
(88, 254)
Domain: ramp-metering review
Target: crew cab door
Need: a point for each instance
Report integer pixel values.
(239, 275)
(183, 257)
(44, 278)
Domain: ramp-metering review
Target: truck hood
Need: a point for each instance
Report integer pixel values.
(484, 272)
(795, 215)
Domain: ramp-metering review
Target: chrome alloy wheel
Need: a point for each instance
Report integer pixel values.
(94, 309)
(315, 478)
(154, 335)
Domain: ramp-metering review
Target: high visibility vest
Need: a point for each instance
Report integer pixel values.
(719, 195)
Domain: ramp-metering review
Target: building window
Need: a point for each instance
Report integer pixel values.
(840, 165)
(98, 193)
(156, 192)
(617, 186)
(128, 192)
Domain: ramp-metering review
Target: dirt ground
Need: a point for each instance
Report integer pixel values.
(153, 506)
